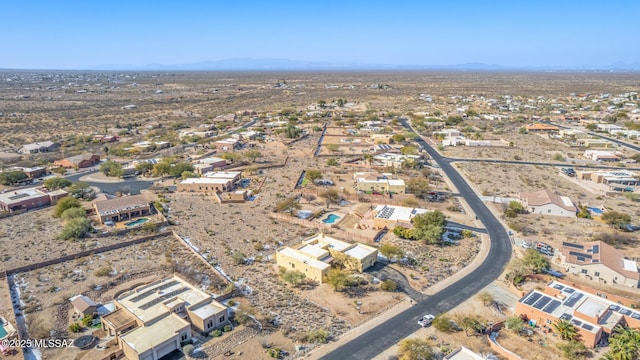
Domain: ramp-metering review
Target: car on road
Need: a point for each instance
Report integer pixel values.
(426, 320)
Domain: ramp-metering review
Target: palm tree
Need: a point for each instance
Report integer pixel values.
(624, 344)
(565, 329)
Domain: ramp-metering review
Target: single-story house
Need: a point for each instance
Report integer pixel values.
(84, 305)
(122, 208)
(78, 161)
(545, 202)
(34, 148)
(29, 198)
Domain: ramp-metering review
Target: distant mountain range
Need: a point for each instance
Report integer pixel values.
(270, 64)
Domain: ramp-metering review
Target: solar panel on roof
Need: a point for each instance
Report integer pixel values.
(596, 249)
(580, 254)
(587, 327)
(576, 322)
(635, 316)
(614, 307)
(558, 286)
(573, 299)
(551, 306)
(625, 312)
(532, 298)
(569, 290)
(576, 246)
(566, 316)
(542, 302)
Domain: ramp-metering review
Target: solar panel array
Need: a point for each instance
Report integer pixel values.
(566, 316)
(164, 297)
(154, 290)
(576, 246)
(587, 327)
(551, 306)
(18, 196)
(574, 253)
(532, 298)
(596, 249)
(558, 286)
(385, 213)
(573, 299)
(542, 302)
(576, 322)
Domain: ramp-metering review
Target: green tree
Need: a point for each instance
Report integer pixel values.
(471, 324)
(388, 286)
(12, 177)
(404, 233)
(337, 278)
(409, 150)
(535, 261)
(331, 196)
(624, 344)
(514, 323)
(390, 251)
(416, 349)
(522, 130)
(76, 228)
(252, 155)
(144, 167)
(565, 329)
(616, 219)
(288, 205)
(332, 162)
(65, 203)
(398, 138)
(111, 168)
(443, 323)
(418, 186)
(81, 190)
(72, 213)
(573, 350)
(429, 227)
(188, 174)
(55, 183)
(293, 277)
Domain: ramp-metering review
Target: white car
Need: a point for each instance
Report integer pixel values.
(426, 320)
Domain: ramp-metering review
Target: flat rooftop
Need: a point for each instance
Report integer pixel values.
(397, 213)
(205, 180)
(292, 253)
(144, 338)
(360, 251)
(16, 196)
(147, 302)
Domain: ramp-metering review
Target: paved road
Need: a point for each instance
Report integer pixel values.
(384, 272)
(129, 185)
(513, 162)
(630, 146)
(381, 337)
(465, 227)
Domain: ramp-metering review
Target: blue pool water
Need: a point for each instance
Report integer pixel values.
(136, 222)
(3, 332)
(595, 211)
(331, 218)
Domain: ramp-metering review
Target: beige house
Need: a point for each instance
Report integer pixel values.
(152, 320)
(601, 262)
(313, 256)
(381, 183)
(544, 202)
(220, 181)
(122, 208)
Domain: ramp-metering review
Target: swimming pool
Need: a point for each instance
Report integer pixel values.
(3, 332)
(136, 222)
(595, 211)
(330, 219)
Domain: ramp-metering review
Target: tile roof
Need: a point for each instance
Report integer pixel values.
(545, 197)
(598, 252)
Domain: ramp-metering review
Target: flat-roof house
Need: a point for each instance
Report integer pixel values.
(463, 353)
(78, 161)
(314, 255)
(214, 162)
(151, 321)
(395, 160)
(122, 208)
(602, 156)
(37, 147)
(229, 144)
(34, 172)
(390, 216)
(29, 198)
(225, 118)
(545, 202)
(83, 305)
(614, 178)
(542, 128)
(376, 182)
(220, 181)
(601, 262)
(591, 315)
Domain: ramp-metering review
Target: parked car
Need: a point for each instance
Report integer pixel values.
(426, 320)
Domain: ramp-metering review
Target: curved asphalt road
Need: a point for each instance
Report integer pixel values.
(383, 336)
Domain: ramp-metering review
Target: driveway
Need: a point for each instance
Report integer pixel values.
(384, 272)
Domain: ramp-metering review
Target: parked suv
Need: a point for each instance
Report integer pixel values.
(426, 320)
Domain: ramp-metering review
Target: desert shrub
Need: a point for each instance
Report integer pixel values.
(188, 349)
(317, 336)
(227, 328)
(75, 327)
(76, 228)
(87, 320)
(64, 204)
(103, 271)
(238, 258)
(388, 285)
(72, 213)
(216, 333)
(231, 303)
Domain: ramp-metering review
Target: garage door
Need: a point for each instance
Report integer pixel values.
(165, 349)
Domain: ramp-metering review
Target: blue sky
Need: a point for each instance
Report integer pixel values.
(86, 34)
